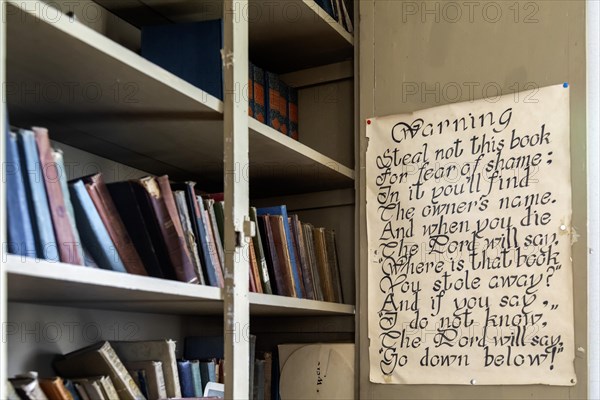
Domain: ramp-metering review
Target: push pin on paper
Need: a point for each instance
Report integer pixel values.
(563, 228)
(473, 381)
(368, 122)
(566, 85)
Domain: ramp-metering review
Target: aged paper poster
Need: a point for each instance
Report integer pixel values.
(469, 234)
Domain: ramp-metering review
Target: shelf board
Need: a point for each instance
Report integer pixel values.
(291, 165)
(271, 305)
(157, 122)
(284, 36)
(51, 283)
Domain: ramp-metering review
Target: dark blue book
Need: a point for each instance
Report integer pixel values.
(186, 380)
(208, 372)
(20, 231)
(327, 6)
(92, 231)
(203, 348)
(282, 210)
(37, 200)
(191, 51)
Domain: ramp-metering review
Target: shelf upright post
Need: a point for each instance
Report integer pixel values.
(236, 318)
(3, 235)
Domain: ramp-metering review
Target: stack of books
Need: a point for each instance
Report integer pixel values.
(153, 227)
(146, 369)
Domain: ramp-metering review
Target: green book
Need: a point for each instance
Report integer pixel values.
(196, 378)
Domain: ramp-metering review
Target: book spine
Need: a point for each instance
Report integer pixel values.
(19, 224)
(210, 207)
(334, 267)
(250, 89)
(124, 384)
(213, 251)
(312, 259)
(109, 389)
(271, 255)
(273, 115)
(184, 218)
(255, 270)
(63, 232)
(36, 197)
(284, 120)
(293, 113)
(322, 263)
(159, 379)
(163, 204)
(209, 260)
(196, 378)
(93, 232)
(283, 255)
(185, 378)
(258, 85)
(114, 225)
(300, 248)
(259, 252)
(58, 158)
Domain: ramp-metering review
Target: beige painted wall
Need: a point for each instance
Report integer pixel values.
(419, 54)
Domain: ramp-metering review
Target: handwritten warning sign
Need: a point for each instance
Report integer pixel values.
(469, 234)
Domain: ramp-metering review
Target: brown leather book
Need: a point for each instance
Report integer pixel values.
(114, 225)
(63, 230)
(283, 253)
(55, 389)
(322, 264)
(166, 212)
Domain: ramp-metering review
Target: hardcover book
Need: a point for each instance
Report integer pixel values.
(63, 230)
(92, 230)
(98, 360)
(57, 156)
(37, 199)
(138, 217)
(191, 51)
(293, 113)
(272, 102)
(21, 240)
(164, 209)
(259, 86)
(296, 272)
(157, 350)
(155, 380)
(259, 253)
(114, 225)
(284, 120)
(186, 224)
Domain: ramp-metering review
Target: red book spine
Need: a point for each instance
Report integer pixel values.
(65, 238)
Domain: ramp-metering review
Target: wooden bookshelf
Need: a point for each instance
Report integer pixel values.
(144, 116)
(52, 283)
(301, 33)
(100, 97)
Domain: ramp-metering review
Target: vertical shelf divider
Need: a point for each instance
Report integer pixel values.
(235, 136)
(3, 231)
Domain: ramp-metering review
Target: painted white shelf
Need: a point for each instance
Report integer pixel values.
(96, 95)
(301, 33)
(50, 283)
(43, 282)
(272, 305)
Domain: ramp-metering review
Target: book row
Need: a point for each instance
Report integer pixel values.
(154, 227)
(192, 51)
(149, 369)
(272, 102)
